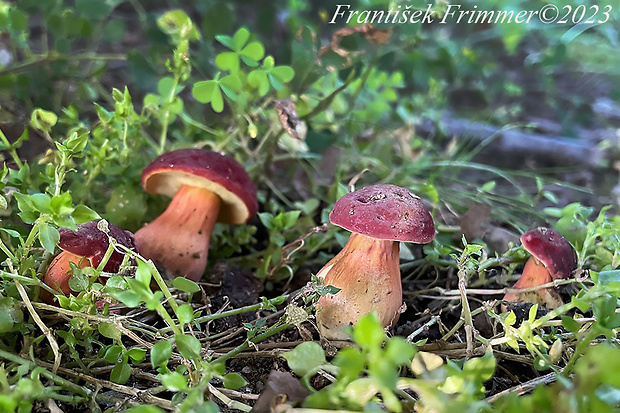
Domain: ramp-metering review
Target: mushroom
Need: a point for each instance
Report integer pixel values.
(553, 258)
(205, 187)
(84, 247)
(367, 269)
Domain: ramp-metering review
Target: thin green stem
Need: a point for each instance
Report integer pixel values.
(240, 310)
(11, 149)
(258, 338)
(82, 391)
(166, 119)
(162, 286)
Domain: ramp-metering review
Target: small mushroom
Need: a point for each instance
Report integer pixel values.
(84, 247)
(553, 258)
(367, 269)
(205, 187)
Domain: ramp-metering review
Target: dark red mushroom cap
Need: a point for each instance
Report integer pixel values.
(219, 174)
(552, 249)
(386, 212)
(90, 242)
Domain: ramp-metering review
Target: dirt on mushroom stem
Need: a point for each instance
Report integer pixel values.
(367, 273)
(178, 240)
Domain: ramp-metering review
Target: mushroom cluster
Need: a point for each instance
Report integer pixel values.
(205, 187)
(553, 258)
(367, 269)
(84, 247)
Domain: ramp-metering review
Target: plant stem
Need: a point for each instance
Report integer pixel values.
(240, 310)
(11, 150)
(162, 285)
(255, 340)
(166, 120)
(82, 391)
(46, 331)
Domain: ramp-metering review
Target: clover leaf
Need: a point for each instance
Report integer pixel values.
(249, 53)
(270, 74)
(210, 91)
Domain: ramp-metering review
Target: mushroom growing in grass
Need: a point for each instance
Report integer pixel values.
(367, 269)
(205, 187)
(84, 247)
(553, 258)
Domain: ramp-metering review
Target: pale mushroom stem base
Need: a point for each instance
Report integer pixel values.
(178, 240)
(368, 275)
(535, 274)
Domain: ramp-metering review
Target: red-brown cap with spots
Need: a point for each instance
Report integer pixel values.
(90, 242)
(552, 249)
(386, 212)
(219, 174)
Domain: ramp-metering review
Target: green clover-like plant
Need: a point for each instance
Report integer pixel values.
(250, 53)
(210, 91)
(268, 74)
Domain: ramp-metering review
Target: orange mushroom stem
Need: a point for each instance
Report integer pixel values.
(178, 240)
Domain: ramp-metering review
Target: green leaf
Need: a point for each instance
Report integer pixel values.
(161, 353)
(233, 381)
(120, 373)
(184, 284)
(399, 351)
(226, 41)
(165, 86)
(570, 324)
(82, 214)
(240, 38)
(360, 391)
(113, 354)
(368, 332)
(217, 103)
(49, 237)
(607, 277)
(174, 381)
(289, 219)
(203, 91)
(228, 61)
(42, 203)
(43, 120)
(78, 281)
(305, 357)
(188, 346)
(283, 73)
(143, 274)
(137, 355)
(144, 409)
(127, 297)
(61, 204)
(10, 315)
(258, 80)
(254, 51)
(185, 314)
(109, 330)
(76, 143)
(266, 219)
(231, 85)
(178, 25)
(11, 232)
(92, 9)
